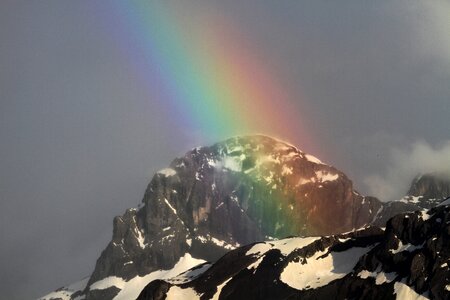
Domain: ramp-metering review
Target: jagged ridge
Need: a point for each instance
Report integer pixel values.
(406, 260)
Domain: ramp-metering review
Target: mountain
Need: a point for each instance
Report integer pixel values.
(425, 192)
(428, 190)
(407, 260)
(216, 199)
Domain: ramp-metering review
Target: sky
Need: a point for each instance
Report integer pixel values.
(96, 96)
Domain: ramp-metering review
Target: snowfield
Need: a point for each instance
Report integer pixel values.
(132, 288)
(321, 268)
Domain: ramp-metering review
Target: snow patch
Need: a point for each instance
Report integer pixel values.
(263, 159)
(167, 172)
(408, 247)
(326, 176)
(255, 265)
(313, 159)
(377, 213)
(232, 163)
(283, 147)
(211, 162)
(202, 239)
(108, 282)
(259, 249)
(415, 199)
(131, 289)
(140, 239)
(286, 246)
(380, 277)
(219, 289)
(303, 181)
(177, 293)
(269, 178)
(190, 274)
(216, 241)
(170, 206)
(405, 292)
(167, 237)
(223, 244)
(66, 292)
(286, 170)
(317, 271)
(424, 215)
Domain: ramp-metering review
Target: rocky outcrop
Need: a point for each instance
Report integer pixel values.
(408, 260)
(429, 189)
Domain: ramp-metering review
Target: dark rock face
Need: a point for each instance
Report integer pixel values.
(155, 290)
(408, 259)
(108, 293)
(430, 189)
(216, 198)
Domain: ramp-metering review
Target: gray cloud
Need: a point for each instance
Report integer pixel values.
(406, 162)
(82, 133)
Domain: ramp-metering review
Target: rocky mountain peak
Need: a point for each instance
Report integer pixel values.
(431, 186)
(236, 192)
(427, 190)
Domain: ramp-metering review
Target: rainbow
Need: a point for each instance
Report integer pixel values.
(212, 82)
(206, 73)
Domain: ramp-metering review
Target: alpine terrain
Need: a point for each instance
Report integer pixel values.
(194, 234)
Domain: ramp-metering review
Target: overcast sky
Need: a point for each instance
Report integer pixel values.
(81, 138)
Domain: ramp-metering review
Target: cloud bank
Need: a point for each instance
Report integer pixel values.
(404, 164)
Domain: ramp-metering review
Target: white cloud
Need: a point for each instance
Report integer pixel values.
(404, 163)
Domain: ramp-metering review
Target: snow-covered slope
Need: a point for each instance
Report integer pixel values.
(408, 260)
(70, 292)
(130, 289)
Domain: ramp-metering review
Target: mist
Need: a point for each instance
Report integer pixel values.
(407, 162)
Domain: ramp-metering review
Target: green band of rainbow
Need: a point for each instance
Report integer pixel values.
(206, 73)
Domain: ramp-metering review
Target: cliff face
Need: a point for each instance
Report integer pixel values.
(430, 189)
(233, 193)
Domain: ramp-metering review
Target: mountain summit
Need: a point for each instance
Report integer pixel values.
(214, 199)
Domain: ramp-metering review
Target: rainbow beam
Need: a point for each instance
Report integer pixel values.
(206, 73)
